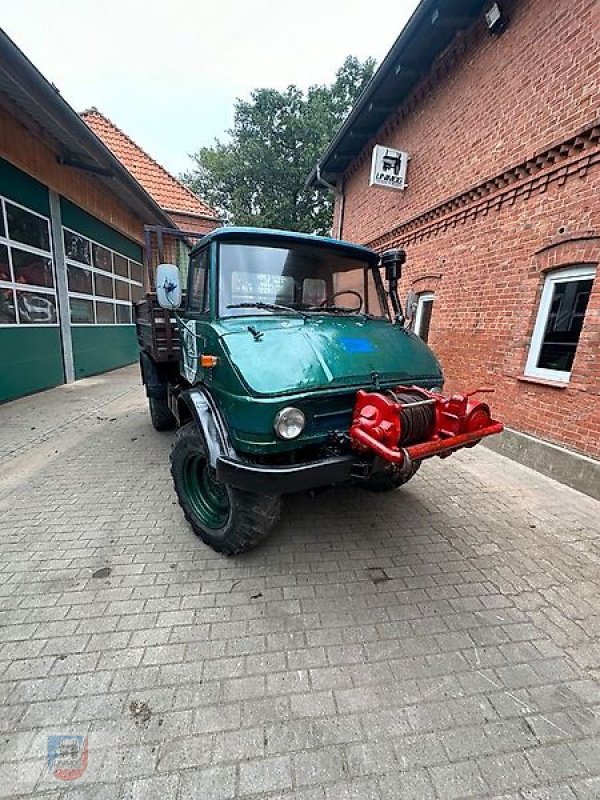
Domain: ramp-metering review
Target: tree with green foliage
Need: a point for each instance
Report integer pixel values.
(257, 177)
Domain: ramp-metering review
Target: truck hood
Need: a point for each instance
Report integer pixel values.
(283, 356)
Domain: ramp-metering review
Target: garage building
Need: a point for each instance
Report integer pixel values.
(72, 220)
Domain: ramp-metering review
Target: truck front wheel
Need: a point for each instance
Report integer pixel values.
(230, 520)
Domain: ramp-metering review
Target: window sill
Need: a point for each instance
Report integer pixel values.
(544, 382)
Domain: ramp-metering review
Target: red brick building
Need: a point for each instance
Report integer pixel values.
(500, 218)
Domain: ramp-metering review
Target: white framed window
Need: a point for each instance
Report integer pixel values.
(103, 284)
(27, 289)
(559, 323)
(423, 314)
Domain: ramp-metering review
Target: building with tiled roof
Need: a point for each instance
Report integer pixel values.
(187, 211)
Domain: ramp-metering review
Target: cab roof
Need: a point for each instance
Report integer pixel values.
(272, 237)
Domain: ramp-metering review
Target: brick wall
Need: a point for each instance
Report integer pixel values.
(193, 223)
(503, 186)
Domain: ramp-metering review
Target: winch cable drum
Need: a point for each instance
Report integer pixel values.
(417, 421)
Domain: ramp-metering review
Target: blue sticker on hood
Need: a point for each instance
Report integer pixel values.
(357, 345)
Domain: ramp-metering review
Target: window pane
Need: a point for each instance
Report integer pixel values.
(77, 247)
(80, 280)
(29, 268)
(27, 228)
(2, 230)
(136, 293)
(4, 265)
(7, 306)
(82, 311)
(103, 285)
(102, 258)
(425, 321)
(36, 308)
(105, 313)
(121, 290)
(135, 271)
(124, 315)
(565, 321)
(198, 281)
(120, 266)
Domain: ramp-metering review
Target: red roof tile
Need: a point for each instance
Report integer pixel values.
(167, 191)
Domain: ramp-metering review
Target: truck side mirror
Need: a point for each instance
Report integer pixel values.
(168, 286)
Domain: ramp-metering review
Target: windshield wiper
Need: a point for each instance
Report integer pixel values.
(267, 307)
(340, 310)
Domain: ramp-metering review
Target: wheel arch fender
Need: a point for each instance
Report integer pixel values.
(198, 406)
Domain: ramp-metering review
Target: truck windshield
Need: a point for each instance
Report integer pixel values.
(260, 279)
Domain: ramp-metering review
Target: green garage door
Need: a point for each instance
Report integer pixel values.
(104, 274)
(30, 345)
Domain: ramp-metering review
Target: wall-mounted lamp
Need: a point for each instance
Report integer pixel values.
(495, 19)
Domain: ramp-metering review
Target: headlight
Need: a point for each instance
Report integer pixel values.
(289, 423)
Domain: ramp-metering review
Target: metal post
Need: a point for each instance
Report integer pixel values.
(62, 290)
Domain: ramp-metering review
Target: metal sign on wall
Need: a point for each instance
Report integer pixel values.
(388, 167)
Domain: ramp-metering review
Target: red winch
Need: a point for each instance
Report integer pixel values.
(409, 423)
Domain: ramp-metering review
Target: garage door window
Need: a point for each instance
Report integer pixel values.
(27, 291)
(559, 323)
(103, 284)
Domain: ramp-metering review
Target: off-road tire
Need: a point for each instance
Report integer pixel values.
(240, 521)
(160, 414)
(387, 481)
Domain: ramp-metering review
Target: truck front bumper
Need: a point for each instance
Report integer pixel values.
(266, 479)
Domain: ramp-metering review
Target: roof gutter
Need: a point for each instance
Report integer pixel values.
(34, 85)
(340, 198)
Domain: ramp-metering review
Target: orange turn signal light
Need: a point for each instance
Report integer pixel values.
(208, 361)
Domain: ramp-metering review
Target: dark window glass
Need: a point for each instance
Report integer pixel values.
(4, 265)
(120, 265)
(425, 321)
(198, 301)
(80, 280)
(27, 228)
(105, 313)
(121, 290)
(103, 285)
(102, 258)
(29, 268)
(136, 293)
(36, 308)
(7, 306)
(77, 247)
(565, 321)
(2, 229)
(123, 315)
(82, 311)
(135, 271)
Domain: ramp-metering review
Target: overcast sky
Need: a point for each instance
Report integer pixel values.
(169, 73)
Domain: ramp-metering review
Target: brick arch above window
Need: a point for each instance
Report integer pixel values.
(426, 283)
(575, 248)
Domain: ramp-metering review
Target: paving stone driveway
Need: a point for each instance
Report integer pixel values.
(442, 641)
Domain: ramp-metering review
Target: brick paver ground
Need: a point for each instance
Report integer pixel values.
(442, 641)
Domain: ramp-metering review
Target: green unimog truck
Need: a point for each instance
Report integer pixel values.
(286, 365)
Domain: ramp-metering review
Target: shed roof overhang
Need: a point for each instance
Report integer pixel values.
(38, 104)
(429, 31)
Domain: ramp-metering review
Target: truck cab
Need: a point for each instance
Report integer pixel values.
(294, 371)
